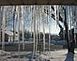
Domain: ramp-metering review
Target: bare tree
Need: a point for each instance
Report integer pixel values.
(64, 20)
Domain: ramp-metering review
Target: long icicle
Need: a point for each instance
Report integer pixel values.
(43, 31)
(34, 42)
(22, 19)
(3, 28)
(14, 21)
(49, 7)
(0, 23)
(19, 16)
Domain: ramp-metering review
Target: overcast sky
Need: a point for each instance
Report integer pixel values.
(37, 15)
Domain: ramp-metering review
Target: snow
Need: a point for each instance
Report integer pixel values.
(59, 55)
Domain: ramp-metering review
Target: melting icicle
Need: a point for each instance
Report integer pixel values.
(19, 17)
(34, 43)
(43, 19)
(3, 28)
(22, 25)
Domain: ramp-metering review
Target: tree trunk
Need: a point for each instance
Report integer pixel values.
(66, 31)
(71, 42)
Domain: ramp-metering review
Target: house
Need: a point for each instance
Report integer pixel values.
(9, 36)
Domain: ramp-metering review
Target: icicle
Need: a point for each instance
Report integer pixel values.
(49, 29)
(14, 23)
(39, 24)
(3, 27)
(48, 26)
(37, 28)
(19, 16)
(34, 42)
(31, 21)
(22, 24)
(43, 19)
(0, 22)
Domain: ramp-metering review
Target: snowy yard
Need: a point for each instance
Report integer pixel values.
(60, 55)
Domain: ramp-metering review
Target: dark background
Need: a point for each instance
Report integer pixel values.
(37, 2)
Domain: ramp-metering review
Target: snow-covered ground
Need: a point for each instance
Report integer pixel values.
(59, 55)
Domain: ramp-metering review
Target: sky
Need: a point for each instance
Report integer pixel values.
(54, 29)
(27, 15)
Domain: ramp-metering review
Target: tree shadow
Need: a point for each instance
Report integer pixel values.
(70, 57)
